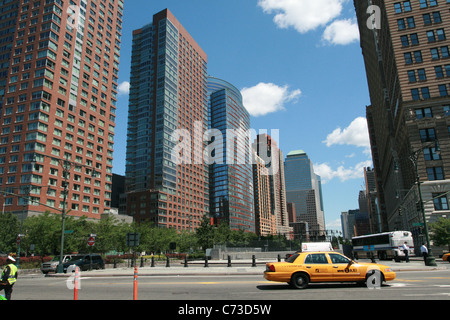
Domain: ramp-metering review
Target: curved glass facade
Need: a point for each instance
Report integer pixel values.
(231, 179)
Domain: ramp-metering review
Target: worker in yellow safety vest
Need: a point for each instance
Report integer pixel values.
(9, 277)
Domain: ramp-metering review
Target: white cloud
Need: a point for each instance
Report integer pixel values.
(334, 225)
(308, 15)
(341, 32)
(266, 98)
(327, 173)
(124, 88)
(356, 134)
(303, 15)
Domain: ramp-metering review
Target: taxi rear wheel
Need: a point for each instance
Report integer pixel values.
(299, 281)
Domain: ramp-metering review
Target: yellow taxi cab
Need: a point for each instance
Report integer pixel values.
(303, 268)
(446, 257)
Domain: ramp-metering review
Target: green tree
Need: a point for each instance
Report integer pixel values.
(8, 232)
(205, 234)
(440, 232)
(44, 231)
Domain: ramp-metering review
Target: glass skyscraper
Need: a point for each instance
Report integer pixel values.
(231, 179)
(303, 188)
(166, 184)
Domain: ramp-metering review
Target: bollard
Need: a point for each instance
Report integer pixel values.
(229, 261)
(135, 289)
(76, 283)
(279, 258)
(185, 261)
(167, 263)
(153, 262)
(142, 262)
(115, 263)
(253, 261)
(206, 262)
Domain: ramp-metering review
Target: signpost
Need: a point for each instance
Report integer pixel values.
(91, 241)
(132, 242)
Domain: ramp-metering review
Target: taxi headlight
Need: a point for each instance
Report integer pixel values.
(388, 270)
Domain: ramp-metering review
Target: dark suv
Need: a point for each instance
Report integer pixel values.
(85, 262)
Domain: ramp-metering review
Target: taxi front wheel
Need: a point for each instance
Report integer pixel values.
(299, 281)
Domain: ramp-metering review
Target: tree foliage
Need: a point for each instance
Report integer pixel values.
(44, 233)
(440, 232)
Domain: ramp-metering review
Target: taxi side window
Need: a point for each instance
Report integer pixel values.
(337, 258)
(318, 258)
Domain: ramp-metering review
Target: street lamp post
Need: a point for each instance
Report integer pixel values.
(66, 166)
(430, 260)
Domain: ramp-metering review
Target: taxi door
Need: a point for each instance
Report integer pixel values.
(342, 269)
(318, 267)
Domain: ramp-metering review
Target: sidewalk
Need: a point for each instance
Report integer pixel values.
(220, 268)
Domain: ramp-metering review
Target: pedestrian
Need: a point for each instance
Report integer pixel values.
(424, 251)
(9, 277)
(406, 251)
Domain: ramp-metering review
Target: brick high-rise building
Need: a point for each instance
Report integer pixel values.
(406, 54)
(59, 65)
(166, 177)
(265, 219)
(267, 149)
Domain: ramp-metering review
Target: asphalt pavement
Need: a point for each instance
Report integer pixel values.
(239, 267)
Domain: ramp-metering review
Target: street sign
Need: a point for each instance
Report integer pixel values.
(91, 241)
(132, 239)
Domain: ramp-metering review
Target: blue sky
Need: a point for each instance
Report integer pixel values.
(300, 69)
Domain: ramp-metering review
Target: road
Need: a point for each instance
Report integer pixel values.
(409, 285)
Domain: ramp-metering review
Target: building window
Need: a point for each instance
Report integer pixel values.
(431, 154)
(435, 173)
(427, 134)
(425, 92)
(443, 90)
(415, 94)
(412, 76)
(440, 201)
(424, 113)
(422, 75)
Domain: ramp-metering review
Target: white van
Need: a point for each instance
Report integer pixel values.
(316, 246)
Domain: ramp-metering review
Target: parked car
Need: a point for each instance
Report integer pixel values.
(51, 266)
(85, 262)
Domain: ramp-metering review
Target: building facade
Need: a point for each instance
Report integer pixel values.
(267, 149)
(59, 66)
(166, 178)
(303, 188)
(230, 168)
(265, 221)
(406, 57)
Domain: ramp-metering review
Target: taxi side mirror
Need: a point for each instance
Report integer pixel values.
(350, 263)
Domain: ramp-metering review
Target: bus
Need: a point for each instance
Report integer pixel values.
(385, 246)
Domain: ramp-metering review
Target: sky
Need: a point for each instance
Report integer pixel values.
(299, 67)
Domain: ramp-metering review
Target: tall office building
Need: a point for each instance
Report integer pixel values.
(303, 188)
(166, 178)
(267, 149)
(59, 65)
(406, 51)
(230, 176)
(265, 221)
